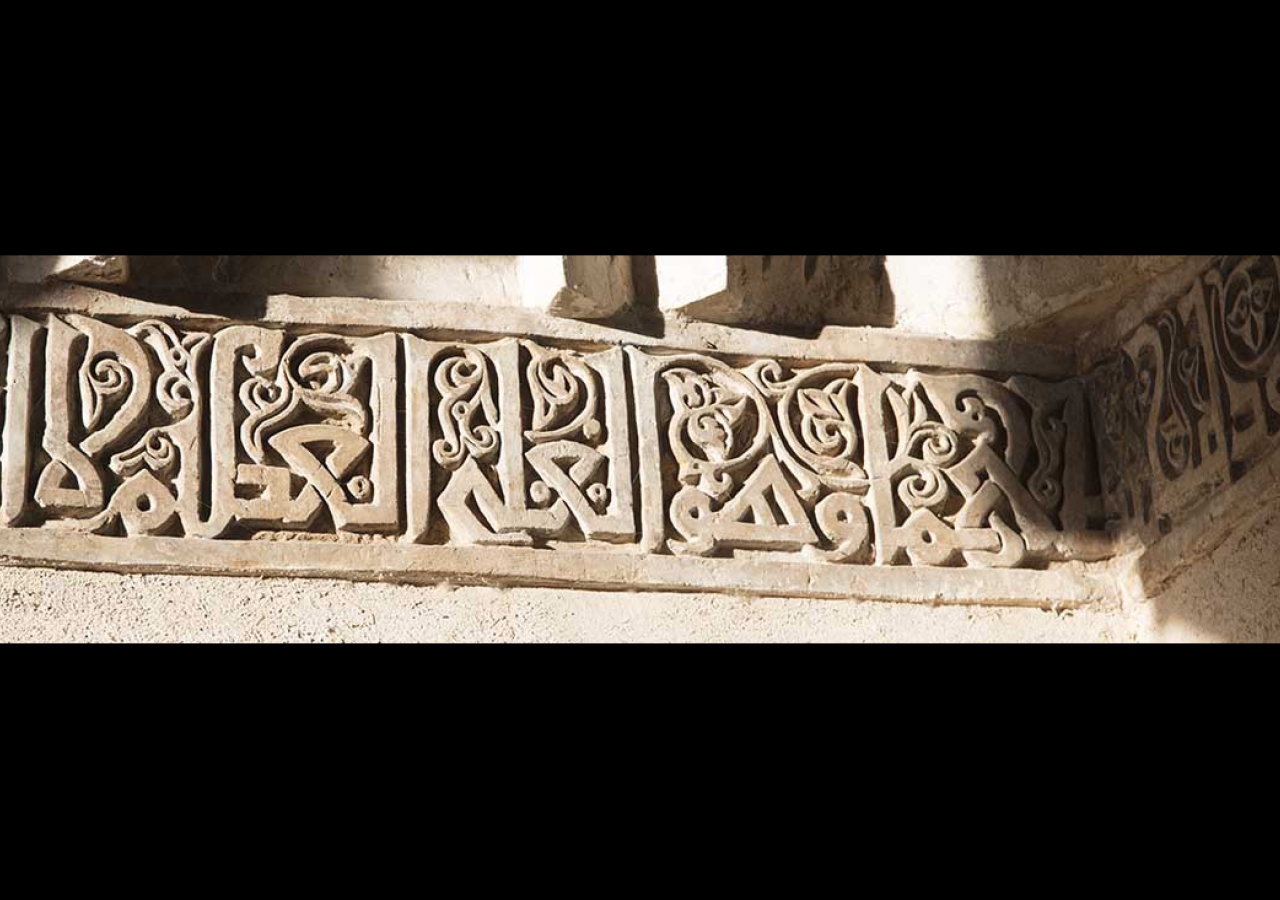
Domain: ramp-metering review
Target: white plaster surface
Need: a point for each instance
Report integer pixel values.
(988, 296)
(492, 280)
(684, 279)
(46, 605)
(1233, 595)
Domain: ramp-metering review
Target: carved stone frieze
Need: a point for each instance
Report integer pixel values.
(1191, 401)
(183, 433)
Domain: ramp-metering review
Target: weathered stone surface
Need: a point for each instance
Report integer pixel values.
(1190, 402)
(1055, 298)
(197, 445)
(778, 291)
(575, 287)
(452, 431)
(83, 269)
(487, 280)
(78, 606)
(876, 346)
(578, 287)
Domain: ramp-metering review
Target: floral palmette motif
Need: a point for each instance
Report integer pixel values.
(179, 356)
(925, 448)
(312, 378)
(564, 394)
(818, 418)
(717, 427)
(827, 428)
(1251, 312)
(467, 412)
(707, 413)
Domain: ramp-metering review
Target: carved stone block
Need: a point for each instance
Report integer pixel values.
(789, 291)
(1191, 401)
(391, 446)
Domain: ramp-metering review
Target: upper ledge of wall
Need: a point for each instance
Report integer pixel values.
(84, 269)
(1049, 298)
(575, 287)
(884, 347)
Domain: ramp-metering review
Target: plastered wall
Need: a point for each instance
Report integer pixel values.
(1232, 593)
(45, 605)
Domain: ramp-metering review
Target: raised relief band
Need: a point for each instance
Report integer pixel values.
(190, 446)
(1191, 402)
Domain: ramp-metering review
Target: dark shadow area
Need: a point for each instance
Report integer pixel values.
(878, 305)
(201, 301)
(644, 276)
(1231, 593)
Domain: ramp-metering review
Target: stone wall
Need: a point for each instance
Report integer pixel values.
(739, 448)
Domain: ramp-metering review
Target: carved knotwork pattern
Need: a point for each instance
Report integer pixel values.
(250, 433)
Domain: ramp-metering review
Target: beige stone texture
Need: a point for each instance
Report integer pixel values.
(788, 292)
(84, 269)
(45, 605)
(867, 344)
(1228, 593)
(1050, 393)
(1041, 297)
(491, 280)
(578, 287)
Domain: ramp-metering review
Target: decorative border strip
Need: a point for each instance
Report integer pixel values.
(1189, 403)
(192, 444)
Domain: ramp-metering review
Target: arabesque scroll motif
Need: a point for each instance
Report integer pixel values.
(249, 433)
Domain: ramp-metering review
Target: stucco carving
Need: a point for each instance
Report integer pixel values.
(264, 436)
(1191, 401)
